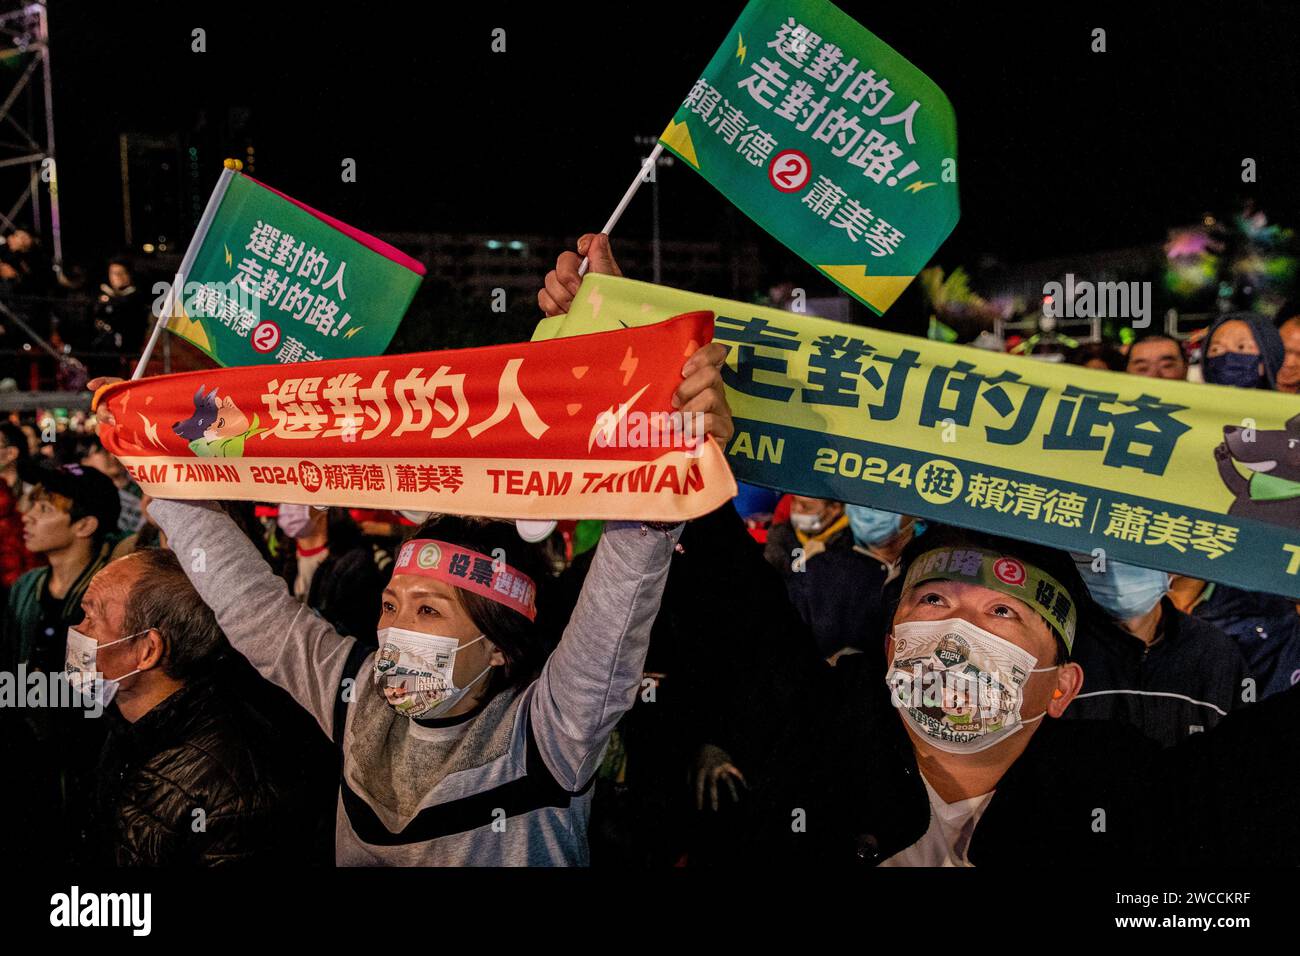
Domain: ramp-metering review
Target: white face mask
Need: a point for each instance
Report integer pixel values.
(808, 524)
(83, 677)
(958, 684)
(294, 519)
(421, 666)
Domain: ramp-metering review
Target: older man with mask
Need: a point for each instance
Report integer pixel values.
(958, 757)
(188, 775)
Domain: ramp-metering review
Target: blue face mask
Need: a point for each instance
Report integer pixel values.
(1234, 368)
(871, 526)
(1124, 591)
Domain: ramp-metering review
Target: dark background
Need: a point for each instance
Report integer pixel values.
(1061, 150)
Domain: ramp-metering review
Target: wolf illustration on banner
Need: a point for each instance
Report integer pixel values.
(217, 428)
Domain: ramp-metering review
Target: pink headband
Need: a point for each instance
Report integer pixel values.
(467, 569)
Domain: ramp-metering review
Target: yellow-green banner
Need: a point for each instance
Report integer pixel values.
(1196, 479)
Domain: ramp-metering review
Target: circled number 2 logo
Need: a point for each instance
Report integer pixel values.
(789, 170)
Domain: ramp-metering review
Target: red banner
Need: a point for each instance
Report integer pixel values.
(578, 427)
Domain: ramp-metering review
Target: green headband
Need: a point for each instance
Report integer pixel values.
(999, 572)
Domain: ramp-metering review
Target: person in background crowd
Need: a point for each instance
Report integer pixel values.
(882, 535)
(14, 449)
(379, 523)
(15, 559)
(33, 439)
(129, 494)
(23, 265)
(758, 507)
(1288, 378)
(147, 537)
(1157, 356)
(1098, 355)
(73, 510)
(344, 569)
(836, 588)
(816, 525)
(180, 747)
(1147, 663)
(1243, 349)
(1265, 627)
(119, 315)
(308, 529)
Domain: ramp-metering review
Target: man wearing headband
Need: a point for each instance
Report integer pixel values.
(947, 750)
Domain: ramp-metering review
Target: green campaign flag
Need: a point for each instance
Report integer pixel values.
(269, 279)
(830, 140)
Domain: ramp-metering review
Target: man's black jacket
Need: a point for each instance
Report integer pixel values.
(1184, 683)
(196, 781)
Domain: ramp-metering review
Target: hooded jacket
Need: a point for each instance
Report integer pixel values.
(1267, 337)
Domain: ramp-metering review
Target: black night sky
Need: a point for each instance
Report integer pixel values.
(1061, 150)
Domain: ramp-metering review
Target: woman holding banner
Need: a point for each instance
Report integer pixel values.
(460, 742)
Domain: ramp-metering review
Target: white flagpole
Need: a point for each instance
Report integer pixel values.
(173, 307)
(176, 295)
(627, 198)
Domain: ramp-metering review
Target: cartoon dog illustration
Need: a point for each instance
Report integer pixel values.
(1271, 493)
(217, 429)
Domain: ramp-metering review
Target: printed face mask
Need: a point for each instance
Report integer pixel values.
(414, 670)
(958, 684)
(83, 676)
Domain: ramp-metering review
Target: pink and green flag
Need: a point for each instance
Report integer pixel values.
(269, 279)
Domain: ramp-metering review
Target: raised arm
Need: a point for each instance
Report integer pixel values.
(283, 638)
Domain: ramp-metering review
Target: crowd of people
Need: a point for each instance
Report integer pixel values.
(96, 323)
(281, 682)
